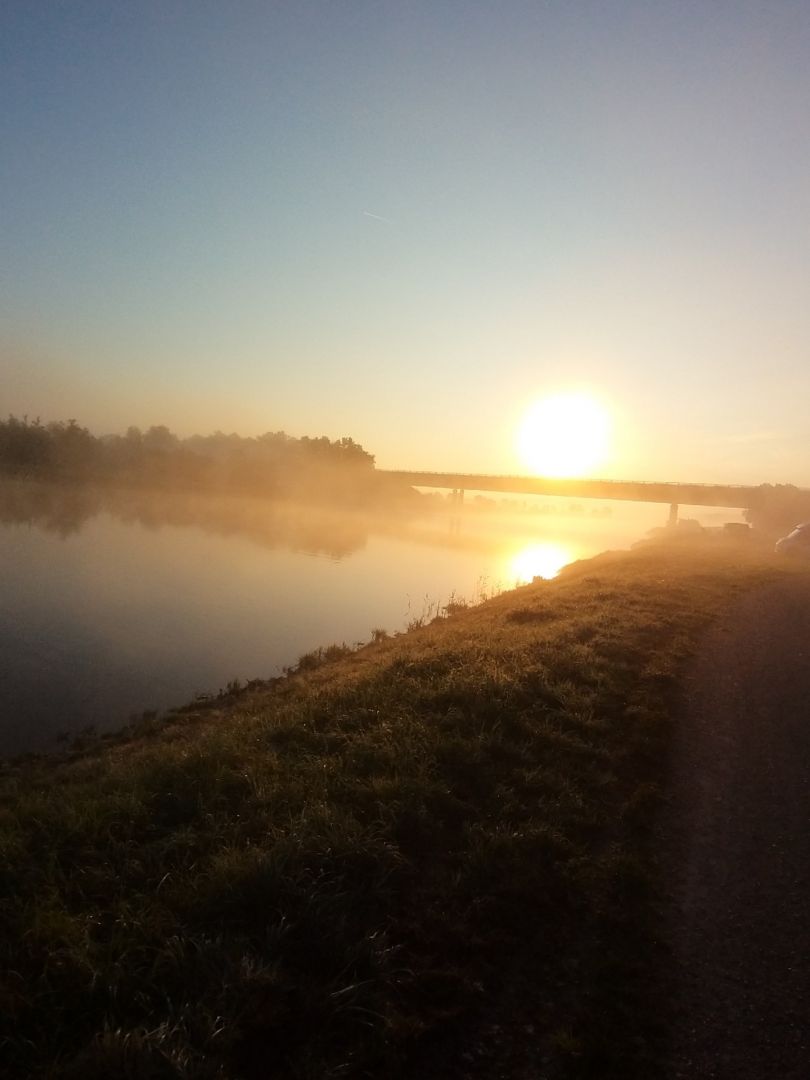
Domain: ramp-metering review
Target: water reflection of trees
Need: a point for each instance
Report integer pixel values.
(65, 509)
(54, 509)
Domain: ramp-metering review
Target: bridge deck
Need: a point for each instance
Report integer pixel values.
(732, 496)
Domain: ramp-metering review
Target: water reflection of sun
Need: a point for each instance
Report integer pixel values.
(543, 560)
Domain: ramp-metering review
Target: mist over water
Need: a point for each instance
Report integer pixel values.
(115, 602)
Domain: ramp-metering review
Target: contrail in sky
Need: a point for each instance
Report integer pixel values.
(378, 217)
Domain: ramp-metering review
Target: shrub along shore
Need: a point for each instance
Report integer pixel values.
(430, 856)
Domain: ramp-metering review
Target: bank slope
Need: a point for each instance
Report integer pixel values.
(426, 857)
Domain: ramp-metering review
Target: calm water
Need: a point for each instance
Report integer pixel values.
(117, 603)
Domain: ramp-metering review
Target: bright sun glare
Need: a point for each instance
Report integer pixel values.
(564, 435)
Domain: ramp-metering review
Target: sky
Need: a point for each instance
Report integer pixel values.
(406, 222)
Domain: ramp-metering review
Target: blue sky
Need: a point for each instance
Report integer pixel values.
(405, 222)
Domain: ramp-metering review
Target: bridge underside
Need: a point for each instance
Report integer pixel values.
(730, 496)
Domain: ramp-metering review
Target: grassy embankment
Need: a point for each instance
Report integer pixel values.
(427, 857)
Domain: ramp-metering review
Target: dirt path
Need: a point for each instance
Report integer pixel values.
(736, 845)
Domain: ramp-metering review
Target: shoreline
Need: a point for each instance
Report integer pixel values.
(125, 618)
(403, 847)
(79, 738)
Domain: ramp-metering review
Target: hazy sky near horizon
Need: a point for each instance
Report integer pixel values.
(406, 221)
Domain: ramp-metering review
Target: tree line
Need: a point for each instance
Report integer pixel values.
(273, 464)
(778, 507)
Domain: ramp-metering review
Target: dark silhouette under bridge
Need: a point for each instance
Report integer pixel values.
(735, 497)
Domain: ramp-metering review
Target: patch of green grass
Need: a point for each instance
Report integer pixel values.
(395, 861)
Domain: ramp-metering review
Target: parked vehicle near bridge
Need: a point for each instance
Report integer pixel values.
(797, 541)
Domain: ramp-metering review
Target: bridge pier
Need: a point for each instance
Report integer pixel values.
(673, 514)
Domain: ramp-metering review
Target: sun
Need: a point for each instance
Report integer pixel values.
(564, 435)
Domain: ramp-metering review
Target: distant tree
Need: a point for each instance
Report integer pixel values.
(159, 438)
(355, 452)
(26, 449)
(76, 452)
(778, 507)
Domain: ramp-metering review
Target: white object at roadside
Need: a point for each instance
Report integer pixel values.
(797, 541)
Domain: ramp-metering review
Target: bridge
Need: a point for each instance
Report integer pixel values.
(736, 497)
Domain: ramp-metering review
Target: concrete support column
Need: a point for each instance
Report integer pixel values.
(673, 514)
